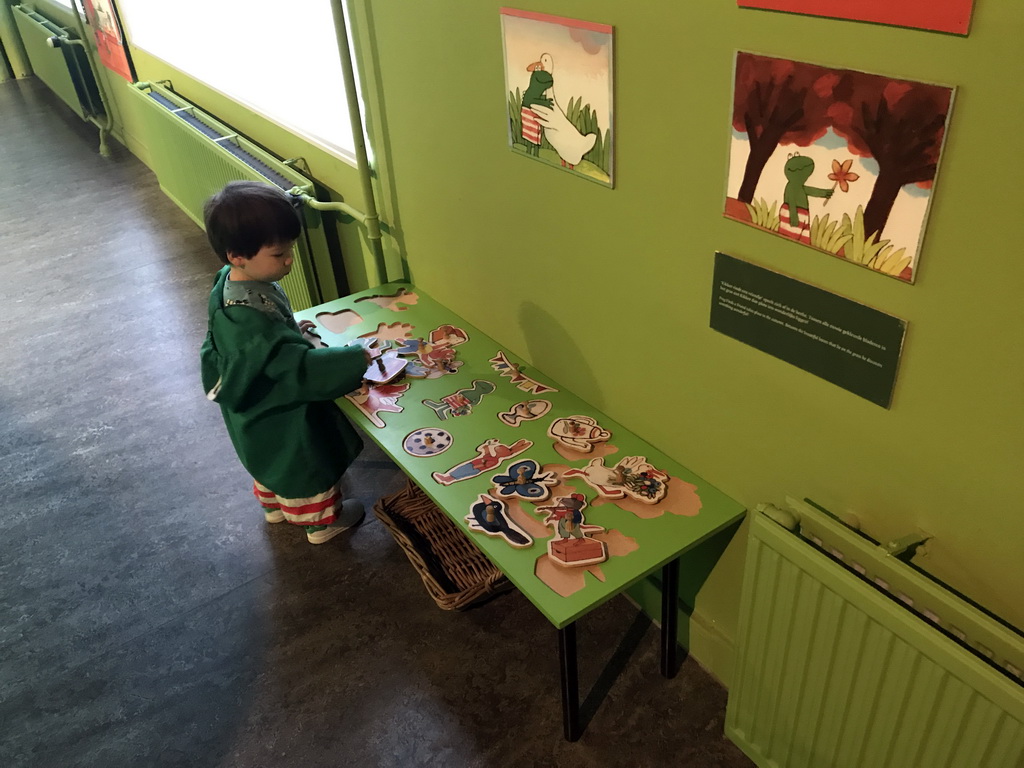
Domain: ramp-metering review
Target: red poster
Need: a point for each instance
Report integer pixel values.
(109, 41)
(938, 15)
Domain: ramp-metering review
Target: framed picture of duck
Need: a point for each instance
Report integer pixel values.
(558, 85)
(839, 160)
(935, 15)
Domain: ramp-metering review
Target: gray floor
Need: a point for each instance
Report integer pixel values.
(151, 618)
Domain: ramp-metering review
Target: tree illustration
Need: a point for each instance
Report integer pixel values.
(899, 124)
(777, 101)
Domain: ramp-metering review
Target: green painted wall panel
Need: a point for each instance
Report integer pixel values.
(608, 290)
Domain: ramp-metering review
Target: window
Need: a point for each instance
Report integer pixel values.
(279, 59)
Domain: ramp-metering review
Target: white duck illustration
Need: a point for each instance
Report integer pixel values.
(569, 143)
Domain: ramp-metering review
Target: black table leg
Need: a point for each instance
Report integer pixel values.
(570, 682)
(669, 617)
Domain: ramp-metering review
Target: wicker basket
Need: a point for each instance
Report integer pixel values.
(456, 574)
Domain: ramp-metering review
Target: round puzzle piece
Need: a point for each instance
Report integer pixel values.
(427, 442)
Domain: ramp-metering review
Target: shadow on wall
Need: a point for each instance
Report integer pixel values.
(695, 567)
(550, 348)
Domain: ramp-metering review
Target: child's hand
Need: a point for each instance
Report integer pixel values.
(307, 326)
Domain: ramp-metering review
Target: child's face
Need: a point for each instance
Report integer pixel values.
(271, 263)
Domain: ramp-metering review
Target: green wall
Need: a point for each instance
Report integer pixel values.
(608, 290)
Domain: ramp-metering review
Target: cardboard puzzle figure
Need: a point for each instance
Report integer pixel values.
(461, 403)
(490, 455)
(434, 357)
(579, 433)
(634, 476)
(525, 411)
(525, 480)
(573, 547)
(490, 516)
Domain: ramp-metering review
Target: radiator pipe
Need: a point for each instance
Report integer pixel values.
(370, 218)
(108, 124)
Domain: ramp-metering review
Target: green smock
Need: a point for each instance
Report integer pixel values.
(276, 393)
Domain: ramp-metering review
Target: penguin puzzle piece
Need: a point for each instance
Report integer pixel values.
(525, 480)
(461, 403)
(578, 432)
(633, 476)
(490, 455)
(490, 516)
(573, 547)
(527, 410)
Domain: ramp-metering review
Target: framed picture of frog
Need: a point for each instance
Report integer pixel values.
(558, 91)
(835, 159)
(936, 15)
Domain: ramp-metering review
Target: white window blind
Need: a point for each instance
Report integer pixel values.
(279, 59)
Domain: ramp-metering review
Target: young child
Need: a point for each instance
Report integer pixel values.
(274, 388)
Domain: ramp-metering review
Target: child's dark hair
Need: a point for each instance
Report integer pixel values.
(247, 215)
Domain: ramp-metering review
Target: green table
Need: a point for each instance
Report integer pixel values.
(696, 510)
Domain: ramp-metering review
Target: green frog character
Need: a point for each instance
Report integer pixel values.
(798, 169)
(541, 81)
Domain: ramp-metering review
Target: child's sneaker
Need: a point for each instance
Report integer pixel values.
(351, 515)
(273, 515)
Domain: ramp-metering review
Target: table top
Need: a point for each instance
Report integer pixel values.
(640, 536)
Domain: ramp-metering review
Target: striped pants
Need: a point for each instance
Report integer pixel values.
(320, 509)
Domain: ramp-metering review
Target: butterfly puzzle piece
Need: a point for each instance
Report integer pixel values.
(525, 481)
(578, 432)
(573, 547)
(633, 476)
(490, 516)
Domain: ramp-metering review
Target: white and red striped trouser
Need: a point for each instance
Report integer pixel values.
(320, 509)
(531, 126)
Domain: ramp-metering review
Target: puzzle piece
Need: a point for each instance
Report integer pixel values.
(525, 411)
(384, 367)
(511, 370)
(573, 547)
(490, 455)
(578, 432)
(525, 481)
(490, 516)
(427, 442)
(633, 476)
(461, 403)
(382, 398)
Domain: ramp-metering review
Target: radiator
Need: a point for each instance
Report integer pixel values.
(64, 69)
(850, 658)
(193, 155)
